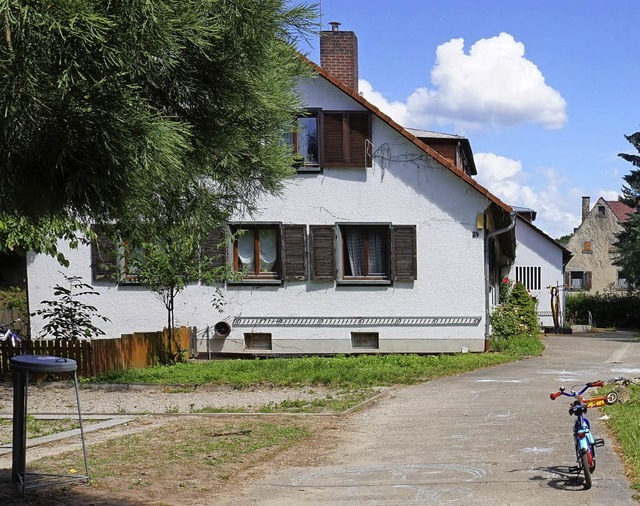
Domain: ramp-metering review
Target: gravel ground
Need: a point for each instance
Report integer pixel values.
(59, 398)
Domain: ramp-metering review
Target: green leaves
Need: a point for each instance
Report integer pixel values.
(68, 317)
(628, 246)
(107, 105)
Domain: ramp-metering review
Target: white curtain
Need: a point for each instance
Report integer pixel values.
(245, 251)
(376, 253)
(355, 251)
(268, 250)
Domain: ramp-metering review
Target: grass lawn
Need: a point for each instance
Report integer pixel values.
(624, 422)
(353, 372)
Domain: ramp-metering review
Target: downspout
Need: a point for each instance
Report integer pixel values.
(487, 286)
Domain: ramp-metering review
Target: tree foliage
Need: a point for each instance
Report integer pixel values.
(109, 109)
(628, 245)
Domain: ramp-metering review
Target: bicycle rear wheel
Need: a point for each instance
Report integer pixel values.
(584, 463)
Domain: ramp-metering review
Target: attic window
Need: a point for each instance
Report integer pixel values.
(304, 140)
(586, 247)
(601, 211)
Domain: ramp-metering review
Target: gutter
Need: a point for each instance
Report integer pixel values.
(487, 305)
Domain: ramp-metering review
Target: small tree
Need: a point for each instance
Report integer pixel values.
(68, 318)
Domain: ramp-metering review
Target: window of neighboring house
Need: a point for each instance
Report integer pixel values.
(530, 277)
(346, 139)
(269, 252)
(577, 279)
(601, 211)
(621, 281)
(304, 140)
(586, 247)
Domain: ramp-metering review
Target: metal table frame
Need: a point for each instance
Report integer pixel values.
(21, 366)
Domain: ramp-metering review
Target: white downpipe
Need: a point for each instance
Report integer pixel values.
(487, 286)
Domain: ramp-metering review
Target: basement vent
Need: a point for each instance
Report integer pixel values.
(365, 340)
(257, 341)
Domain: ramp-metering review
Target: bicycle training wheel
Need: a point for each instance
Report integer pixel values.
(612, 397)
(584, 461)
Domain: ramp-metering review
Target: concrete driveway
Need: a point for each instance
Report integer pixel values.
(490, 437)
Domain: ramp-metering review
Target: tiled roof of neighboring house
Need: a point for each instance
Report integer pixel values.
(409, 136)
(622, 211)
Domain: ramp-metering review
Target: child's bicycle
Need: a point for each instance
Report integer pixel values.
(10, 336)
(583, 439)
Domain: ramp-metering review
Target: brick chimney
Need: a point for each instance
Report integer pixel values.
(586, 205)
(339, 55)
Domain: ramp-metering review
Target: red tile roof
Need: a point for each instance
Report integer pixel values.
(621, 211)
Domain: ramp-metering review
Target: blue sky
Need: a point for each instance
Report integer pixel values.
(545, 90)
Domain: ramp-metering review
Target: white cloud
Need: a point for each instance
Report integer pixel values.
(396, 110)
(494, 84)
(554, 200)
(608, 194)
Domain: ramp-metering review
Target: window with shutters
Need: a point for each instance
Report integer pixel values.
(344, 142)
(255, 251)
(113, 260)
(269, 252)
(363, 253)
(578, 280)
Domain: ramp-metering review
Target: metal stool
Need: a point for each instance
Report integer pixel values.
(21, 366)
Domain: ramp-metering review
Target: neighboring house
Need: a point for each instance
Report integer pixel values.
(539, 266)
(379, 244)
(593, 245)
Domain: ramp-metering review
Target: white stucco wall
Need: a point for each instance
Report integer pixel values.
(450, 280)
(533, 249)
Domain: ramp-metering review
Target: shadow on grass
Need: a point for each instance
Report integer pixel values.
(55, 495)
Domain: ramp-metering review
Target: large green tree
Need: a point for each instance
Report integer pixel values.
(628, 246)
(110, 109)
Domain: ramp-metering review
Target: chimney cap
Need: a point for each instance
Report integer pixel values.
(335, 26)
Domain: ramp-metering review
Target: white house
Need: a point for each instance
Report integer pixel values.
(379, 244)
(539, 266)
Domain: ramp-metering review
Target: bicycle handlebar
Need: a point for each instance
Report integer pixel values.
(573, 393)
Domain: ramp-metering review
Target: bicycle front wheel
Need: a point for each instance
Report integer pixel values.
(584, 462)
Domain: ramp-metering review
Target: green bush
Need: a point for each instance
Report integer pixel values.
(607, 309)
(515, 324)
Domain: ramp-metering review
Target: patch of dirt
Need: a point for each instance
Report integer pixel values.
(164, 460)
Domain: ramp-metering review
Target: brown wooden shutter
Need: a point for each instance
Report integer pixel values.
(587, 280)
(332, 139)
(359, 132)
(403, 253)
(104, 254)
(323, 264)
(215, 247)
(294, 252)
(567, 279)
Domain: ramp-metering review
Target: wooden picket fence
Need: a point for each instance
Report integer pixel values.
(100, 356)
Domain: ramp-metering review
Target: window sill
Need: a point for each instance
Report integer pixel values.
(256, 281)
(349, 282)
